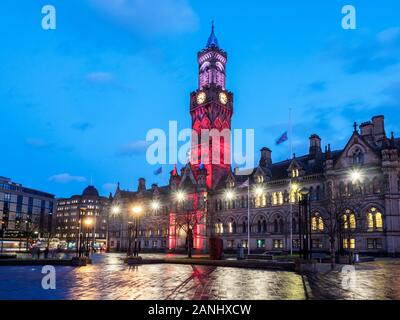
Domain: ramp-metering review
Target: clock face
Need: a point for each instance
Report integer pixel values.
(223, 98)
(201, 97)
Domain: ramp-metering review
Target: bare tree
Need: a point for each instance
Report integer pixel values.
(341, 222)
(188, 221)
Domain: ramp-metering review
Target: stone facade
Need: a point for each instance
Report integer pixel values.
(354, 193)
(70, 211)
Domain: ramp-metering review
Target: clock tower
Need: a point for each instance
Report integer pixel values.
(211, 109)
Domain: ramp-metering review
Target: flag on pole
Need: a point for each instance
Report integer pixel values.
(282, 138)
(158, 171)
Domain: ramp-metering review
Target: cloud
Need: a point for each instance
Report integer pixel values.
(38, 143)
(82, 126)
(66, 178)
(150, 17)
(371, 54)
(133, 148)
(100, 77)
(389, 36)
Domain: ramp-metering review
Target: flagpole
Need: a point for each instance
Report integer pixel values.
(248, 218)
(290, 183)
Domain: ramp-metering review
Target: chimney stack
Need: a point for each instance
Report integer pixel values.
(315, 146)
(266, 157)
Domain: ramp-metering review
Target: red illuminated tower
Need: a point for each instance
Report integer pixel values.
(211, 107)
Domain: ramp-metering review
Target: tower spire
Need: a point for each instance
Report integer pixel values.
(212, 39)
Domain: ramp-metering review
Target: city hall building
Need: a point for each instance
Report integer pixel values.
(353, 193)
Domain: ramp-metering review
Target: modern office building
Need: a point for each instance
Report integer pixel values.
(25, 214)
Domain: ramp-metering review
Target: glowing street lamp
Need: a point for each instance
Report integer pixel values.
(88, 222)
(115, 210)
(180, 196)
(136, 210)
(229, 195)
(155, 205)
(259, 191)
(356, 175)
(295, 187)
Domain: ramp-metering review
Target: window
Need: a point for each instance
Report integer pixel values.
(260, 243)
(296, 243)
(317, 223)
(346, 243)
(358, 157)
(349, 220)
(261, 225)
(244, 227)
(274, 198)
(219, 227)
(154, 243)
(230, 244)
(374, 244)
(317, 243)
(295, 173)
(280, 198)
(243, 243)
(374, 220)
(277, 244)
(294, 195)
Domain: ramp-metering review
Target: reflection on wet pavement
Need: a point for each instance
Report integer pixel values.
(379, 280)
(109, 278)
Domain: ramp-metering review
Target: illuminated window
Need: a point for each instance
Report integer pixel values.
(374, 220)
(277, 244)
(352, 243)
(274, 198)
(260, 243)
(263, 200)
(349, 220)
(378, 220)
(370, 219)
(258, 202)
(295, 173)
(231, 227)
(317, 223)
(280, 198)
(293, 196)
(219, 228)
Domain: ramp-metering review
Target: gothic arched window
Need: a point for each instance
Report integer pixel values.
(374, 220)
(358, 157)
(276, 226)
(244, 227)
(349, 220)
(317, 223)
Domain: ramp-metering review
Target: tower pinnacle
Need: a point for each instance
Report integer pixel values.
(212, 39)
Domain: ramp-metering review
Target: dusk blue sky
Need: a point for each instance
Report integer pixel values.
(76, 102)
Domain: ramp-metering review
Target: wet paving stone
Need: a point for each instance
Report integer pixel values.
(108, 279)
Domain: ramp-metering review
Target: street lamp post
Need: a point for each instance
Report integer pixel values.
(137, 210)
(115, 210)
(305, 224)
(88, 223)
(129, 251)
